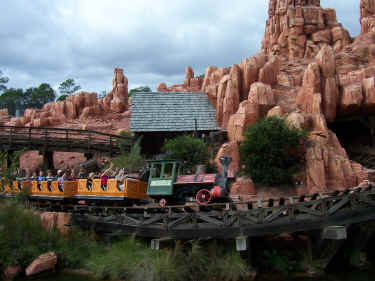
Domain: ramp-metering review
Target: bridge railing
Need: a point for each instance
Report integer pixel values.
(85, 139)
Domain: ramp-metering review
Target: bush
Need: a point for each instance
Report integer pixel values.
(23, 238)
(131, 161)
(272, 152)
(186, 148)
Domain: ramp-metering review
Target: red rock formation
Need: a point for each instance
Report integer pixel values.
(191, 83)
(55, 219)
(309, 71)
(243, 189)
(10, 272)
(367, 16)
(81, 107)
(299, 28)
(42, 263)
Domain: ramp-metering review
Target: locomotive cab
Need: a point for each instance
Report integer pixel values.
(163, 174)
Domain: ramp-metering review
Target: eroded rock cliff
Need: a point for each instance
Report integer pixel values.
(310, 71)
(83, 110)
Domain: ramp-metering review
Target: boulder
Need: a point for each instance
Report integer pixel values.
(11, 271)
(42, 263)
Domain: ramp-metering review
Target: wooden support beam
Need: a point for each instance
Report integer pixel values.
(156, 243)
(242, 243)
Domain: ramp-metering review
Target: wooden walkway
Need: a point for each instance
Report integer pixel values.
(58, 139)
(232, 220)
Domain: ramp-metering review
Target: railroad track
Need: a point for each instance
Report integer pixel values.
(226, 220)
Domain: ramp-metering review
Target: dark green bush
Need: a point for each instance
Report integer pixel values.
(272, 152)
(187, 148)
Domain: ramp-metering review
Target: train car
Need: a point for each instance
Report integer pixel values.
(168, 183)
(13, 189)
(52, 190)
(128, 191)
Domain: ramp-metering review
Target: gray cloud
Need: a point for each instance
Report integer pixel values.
(50, 41)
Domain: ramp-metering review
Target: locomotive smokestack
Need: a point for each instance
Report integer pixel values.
(225, 162)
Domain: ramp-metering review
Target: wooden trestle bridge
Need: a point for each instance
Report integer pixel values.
(48, 140)
(231, 220)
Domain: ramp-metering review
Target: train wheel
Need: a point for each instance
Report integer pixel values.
(203, 196)
(162, 202)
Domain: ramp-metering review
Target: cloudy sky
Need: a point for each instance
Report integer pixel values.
(153, 40)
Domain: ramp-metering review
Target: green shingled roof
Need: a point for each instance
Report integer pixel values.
(166, 112)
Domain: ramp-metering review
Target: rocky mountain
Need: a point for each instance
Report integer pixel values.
(310, 71)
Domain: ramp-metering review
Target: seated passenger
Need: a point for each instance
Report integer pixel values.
(104, 179)
(120, 177)
(41, 176)
(34, 175)
(89, 181)
(60, 178)
(50, 176)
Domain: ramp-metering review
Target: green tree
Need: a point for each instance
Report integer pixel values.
(3, 81)
(131, 161)
(40, 95)
(62, 98)
(68, 87)
(141, 89)
(272, 151)
(187, 148)
(13, 99)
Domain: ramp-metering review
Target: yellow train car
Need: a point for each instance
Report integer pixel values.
(52, 190)
(12, 190)
(114, 190)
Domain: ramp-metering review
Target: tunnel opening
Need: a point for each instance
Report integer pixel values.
(357, 136)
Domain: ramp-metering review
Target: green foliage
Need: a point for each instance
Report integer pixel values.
(34, 97)
(130, 259)
(284, 262)
(62, 98)
(186, 148)
(272, 152)
(12, 99)
(131, 161)
(201, 75)
(3, 81)
(23, 238)
(40, 95)
(8, 174)
(141, 89)
(68, 87)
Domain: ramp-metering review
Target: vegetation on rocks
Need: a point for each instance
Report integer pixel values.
(271, 151)
(188, 149)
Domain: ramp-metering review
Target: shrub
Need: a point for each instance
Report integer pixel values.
(131, 161)
(23, 238)
(186, 148)
(271, 151)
